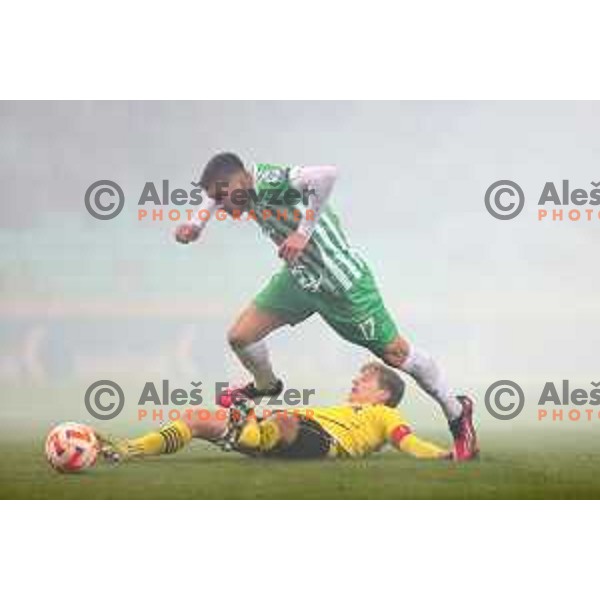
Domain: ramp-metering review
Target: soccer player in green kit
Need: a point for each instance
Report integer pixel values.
(321, 274)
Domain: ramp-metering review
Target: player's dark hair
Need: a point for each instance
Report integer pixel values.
(390, 381)
(220, 168)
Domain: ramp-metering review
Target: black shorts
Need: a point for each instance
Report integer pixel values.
(312, 441)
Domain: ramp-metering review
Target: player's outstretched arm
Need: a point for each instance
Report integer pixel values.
(404, 439)
(190, 232)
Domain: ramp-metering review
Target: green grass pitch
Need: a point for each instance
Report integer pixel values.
(512, 465)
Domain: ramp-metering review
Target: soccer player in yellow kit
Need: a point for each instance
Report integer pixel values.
(364, 424)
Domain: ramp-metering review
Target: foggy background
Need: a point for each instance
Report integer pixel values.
(83, 299)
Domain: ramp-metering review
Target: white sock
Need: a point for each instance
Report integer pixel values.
(255, 357)
(431, 379)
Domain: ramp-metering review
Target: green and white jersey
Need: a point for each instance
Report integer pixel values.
(328, 263)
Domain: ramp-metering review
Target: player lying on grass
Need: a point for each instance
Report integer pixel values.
(359, 427)
(322, 274)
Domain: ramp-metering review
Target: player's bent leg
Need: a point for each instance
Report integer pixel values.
(280, 302)
(207, 425)
(458, 409)
(264, 437)
(252, 325)
(399, 353)
(286, 436)
(246, 339)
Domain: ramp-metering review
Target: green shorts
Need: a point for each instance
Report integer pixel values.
(359, 315)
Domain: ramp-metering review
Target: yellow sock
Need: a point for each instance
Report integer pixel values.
(168, 439)
(261, 436)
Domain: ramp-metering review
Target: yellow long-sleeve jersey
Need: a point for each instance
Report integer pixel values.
(359, 430)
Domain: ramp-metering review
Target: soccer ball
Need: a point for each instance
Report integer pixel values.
(71, 447)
